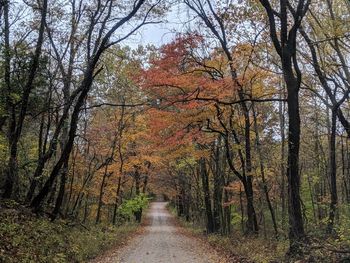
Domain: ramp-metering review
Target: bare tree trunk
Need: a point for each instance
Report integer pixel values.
(86, 208)
(114, 220)
(218, 187)
(312, 199)
(207, 202)
(242, 209)
(283, 170)
(70, 194)
(262, 171)
(138, 213)
(100, 198)
(344, 164)
(64, 139)
(333, 172)
(284, 40)
(296, 231)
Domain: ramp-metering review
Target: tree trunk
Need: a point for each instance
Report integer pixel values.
(296, 230)
(138, 213)
(114, 221)
(85, 87)
(64, 139)
(100, 198)
(207, 202)
(61, 191)
(283, 172)
(16, 124)
(333, 172)
(262, 172)
(218, 187)
(252, 223)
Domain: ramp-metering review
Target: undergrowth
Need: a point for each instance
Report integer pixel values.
(261, 249)
(26, 238)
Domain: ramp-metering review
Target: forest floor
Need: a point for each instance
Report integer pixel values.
(163, 240)
(28, 237)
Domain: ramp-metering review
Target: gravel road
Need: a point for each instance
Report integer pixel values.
(162, 242)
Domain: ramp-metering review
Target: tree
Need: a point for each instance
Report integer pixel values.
(337, 96)
(285, 46)
(16, 122)
(102, 43)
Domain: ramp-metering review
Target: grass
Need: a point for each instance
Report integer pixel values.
(26, 238)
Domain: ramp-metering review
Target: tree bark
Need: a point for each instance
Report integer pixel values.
(100, 197)
(283, 170)
(138, 213)
(284, 40)
(262, 172)
(207, 202)
(296, 230)
(333, 172)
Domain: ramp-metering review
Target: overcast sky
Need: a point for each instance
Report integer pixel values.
(158, 34)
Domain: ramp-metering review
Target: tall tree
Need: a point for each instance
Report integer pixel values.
(94, 52)
(216, 24)
(284, 40)
(16, 122)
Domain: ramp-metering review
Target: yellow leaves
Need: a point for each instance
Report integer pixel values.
(327, 23)
(235, 187)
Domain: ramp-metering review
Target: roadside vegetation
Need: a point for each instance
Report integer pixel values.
(28, 238)
(267, 249)
(240, 117)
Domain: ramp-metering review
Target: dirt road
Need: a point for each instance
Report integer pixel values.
(162, 242)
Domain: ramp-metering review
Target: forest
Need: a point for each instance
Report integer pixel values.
(240, 122)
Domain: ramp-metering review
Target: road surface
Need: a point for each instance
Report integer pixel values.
(162, 242)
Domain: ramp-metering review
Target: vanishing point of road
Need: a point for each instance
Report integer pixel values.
(163, 242)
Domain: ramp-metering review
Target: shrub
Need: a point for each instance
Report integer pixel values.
(129, 207)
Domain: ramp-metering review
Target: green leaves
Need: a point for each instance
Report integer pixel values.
(129, 207)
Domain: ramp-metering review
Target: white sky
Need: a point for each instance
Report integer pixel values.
(176, 21)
